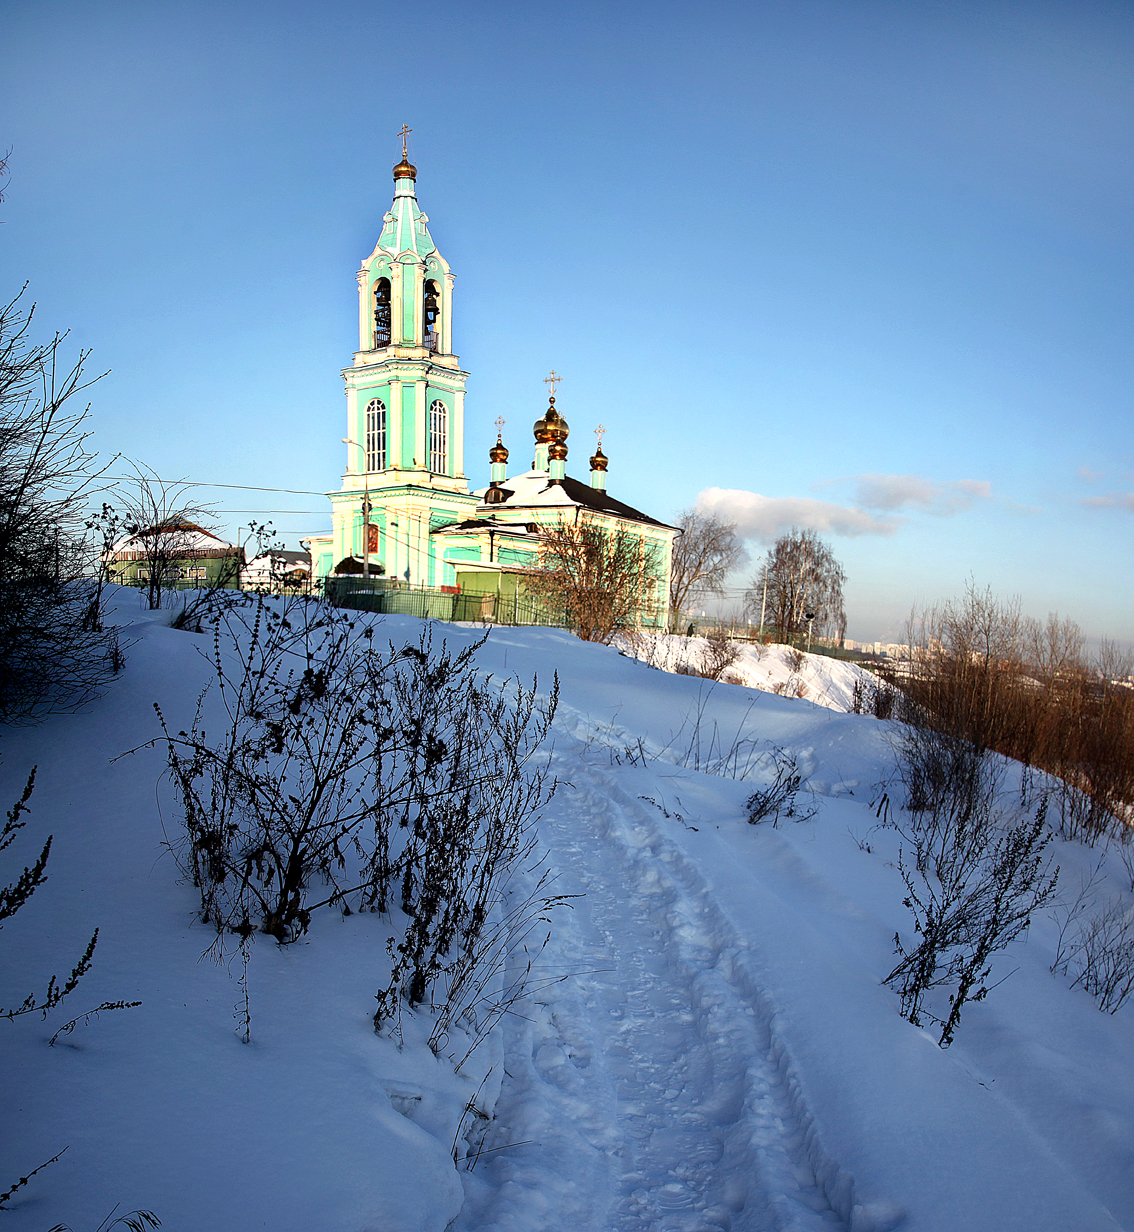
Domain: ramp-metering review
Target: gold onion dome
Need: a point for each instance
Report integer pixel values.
(555, 424)
(557, 451)
(498, 453)
(405, 170)
(598, 460)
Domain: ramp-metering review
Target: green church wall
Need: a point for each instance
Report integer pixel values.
(408, 444)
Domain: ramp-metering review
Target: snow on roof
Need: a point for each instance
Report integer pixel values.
(182, 537)
(534, 490)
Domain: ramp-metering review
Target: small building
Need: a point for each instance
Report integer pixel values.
(277, 571)
(186, 554)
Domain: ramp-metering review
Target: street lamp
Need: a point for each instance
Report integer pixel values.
(810, 617)
(365, 509)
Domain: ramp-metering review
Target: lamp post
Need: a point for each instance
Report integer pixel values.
(365, 509)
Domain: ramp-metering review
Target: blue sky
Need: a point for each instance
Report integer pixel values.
(860, 266)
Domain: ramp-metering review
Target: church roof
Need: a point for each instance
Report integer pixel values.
(533, 490)
(405, 228)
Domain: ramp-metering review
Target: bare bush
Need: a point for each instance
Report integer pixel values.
(975, 878)
(779, 798)
(54, 654)
(982, 672)
(13, 897)
(399, 779)
(602, 581)
(718, 654)
(1096, 946)
(881, 698)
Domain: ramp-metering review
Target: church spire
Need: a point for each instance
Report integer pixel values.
(405, 170)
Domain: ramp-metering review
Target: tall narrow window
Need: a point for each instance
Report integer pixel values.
(431, 316)
(439, 438)
(376, 435)
(381, 313)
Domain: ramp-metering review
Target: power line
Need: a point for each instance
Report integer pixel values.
(243, 487)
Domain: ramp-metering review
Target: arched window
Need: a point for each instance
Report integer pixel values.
(381, 313)
(438, 437)
(431, 316)
(376, 435)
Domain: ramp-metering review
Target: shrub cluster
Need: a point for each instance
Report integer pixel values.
(974, 875)
(397, 778)
(982, 672)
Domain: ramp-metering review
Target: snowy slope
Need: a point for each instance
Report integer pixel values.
(772, 669)
(710, 1046)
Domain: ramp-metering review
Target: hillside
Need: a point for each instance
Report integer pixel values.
(705, 1041)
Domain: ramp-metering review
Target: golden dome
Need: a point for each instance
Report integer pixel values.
(557, 451)
(405, 170)
(555, 423)
(498, 453)
(598, 460)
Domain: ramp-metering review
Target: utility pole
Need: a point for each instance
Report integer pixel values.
(365, 508)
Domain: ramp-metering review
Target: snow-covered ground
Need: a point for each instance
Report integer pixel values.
(708, 1044)
(772, 669)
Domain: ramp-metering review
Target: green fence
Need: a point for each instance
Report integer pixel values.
(437, 603)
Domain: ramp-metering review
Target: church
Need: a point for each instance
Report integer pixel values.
(405, 515)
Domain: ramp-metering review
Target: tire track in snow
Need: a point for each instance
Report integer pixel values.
(652, 1081)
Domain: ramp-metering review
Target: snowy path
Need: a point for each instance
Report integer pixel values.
(647, 1088)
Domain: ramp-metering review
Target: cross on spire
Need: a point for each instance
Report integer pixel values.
(552, 380)
(600, 431)
(500, 422)
(404, 133)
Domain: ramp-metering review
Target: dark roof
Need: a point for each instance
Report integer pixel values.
(592, 498)
(515, 528)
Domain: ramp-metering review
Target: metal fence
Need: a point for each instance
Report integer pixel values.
(437, 603)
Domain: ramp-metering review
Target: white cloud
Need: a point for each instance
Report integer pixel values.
(889, 493)
(1085, 472)
(1116, 500)
(767, 517)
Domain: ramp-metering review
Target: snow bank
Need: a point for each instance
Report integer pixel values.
(772, 669)
(708, 1044)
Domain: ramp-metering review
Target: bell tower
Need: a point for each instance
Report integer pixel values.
(405, 400)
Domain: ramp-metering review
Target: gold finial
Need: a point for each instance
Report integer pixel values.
(599, 459)
(552, 380)
(498, 453)
(405, 170)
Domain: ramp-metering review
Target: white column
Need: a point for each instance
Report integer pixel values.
(457, 429)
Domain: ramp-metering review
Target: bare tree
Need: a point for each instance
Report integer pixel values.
(163, 530)
(803, 585)
(602, 581)
(52, 655)
(705, 552)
